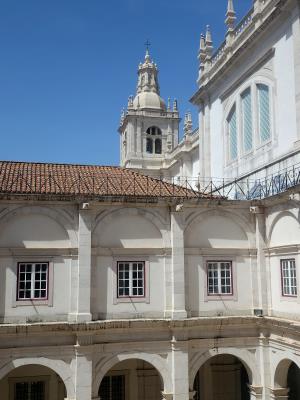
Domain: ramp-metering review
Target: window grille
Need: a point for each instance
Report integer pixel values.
(247, 120)
(30, 391)
(289, 277)
(131, 279)
(232, 126)
(264, 112)
(32, 281)
(112, 388)
(219, 277)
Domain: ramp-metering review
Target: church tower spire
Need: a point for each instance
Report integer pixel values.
(148, 128)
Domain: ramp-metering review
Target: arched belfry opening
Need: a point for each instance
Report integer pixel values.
(223, 377)
(32, 382)
(131, 380)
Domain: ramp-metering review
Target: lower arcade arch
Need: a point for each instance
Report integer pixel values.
(133, 379)
(32, 382)
(287, 376)
(222, 377)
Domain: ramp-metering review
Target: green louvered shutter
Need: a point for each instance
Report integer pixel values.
(232, 134)
(264, 112)
(247, 120)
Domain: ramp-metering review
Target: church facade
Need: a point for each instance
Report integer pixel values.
(177, 275)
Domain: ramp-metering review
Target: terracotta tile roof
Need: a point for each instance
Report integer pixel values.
(83, 181)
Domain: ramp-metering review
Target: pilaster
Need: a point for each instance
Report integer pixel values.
(180, 369)
(262, 278)
(84, 367)
(178, 273)
(83, 311)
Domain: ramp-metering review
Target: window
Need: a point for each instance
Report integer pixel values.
(264, 112)
(153, 142)
(29, 390)
(33, 281)
(289, 277)
(131, 279)
(232, 131)
(112, 388)
(247, 120)
(219, 278)
(149, 146)
(157, 146)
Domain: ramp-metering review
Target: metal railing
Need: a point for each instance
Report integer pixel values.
(246, 188)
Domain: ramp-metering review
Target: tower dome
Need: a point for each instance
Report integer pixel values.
(148, 94)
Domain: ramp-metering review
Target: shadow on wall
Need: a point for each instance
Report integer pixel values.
(124, 231)
(33, 231)
(215, 232)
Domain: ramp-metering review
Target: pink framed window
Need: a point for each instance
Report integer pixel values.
(131, 279)
(33, 281)
(219, 278)
(288, 277)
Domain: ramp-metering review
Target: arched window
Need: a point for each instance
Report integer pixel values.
(153, 130)
(264, 112)
(149, 146)
(157, 146)
(247, 120)
(153, 142)
(232, 134)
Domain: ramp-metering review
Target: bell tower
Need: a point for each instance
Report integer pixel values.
(149, 128)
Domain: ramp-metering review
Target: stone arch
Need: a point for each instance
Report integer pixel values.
(155, 360)
(56, 215)
(151, 217)
(239, 220)
(281, 371)
(244, 356)
(58, 366)
(277, 220)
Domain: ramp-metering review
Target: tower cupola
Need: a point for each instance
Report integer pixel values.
(148, 93)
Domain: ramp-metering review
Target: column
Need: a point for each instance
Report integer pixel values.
(83, 303)
(177, 274)
(279, 394)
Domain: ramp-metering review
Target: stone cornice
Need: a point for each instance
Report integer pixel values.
(237, 49)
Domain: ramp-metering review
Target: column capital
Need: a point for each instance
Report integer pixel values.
(279, 393)
(256, 392)
(167, 396)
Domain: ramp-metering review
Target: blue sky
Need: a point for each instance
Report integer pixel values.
(67, 68)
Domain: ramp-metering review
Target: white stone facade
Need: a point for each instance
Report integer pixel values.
(214, 310)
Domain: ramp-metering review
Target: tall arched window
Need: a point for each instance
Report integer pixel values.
(157, 146)
(232, 134)
(264, 112)
(153, 142)
(247, 120)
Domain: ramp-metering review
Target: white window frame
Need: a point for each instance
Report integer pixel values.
(131, 299)
(219, 265)
(236, 102)
(48, 301)
(130, 266)
(290, 263)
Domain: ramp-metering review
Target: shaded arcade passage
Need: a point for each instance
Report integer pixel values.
(293, 382)
(32, 382)
(223, 377)
(131, 379)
